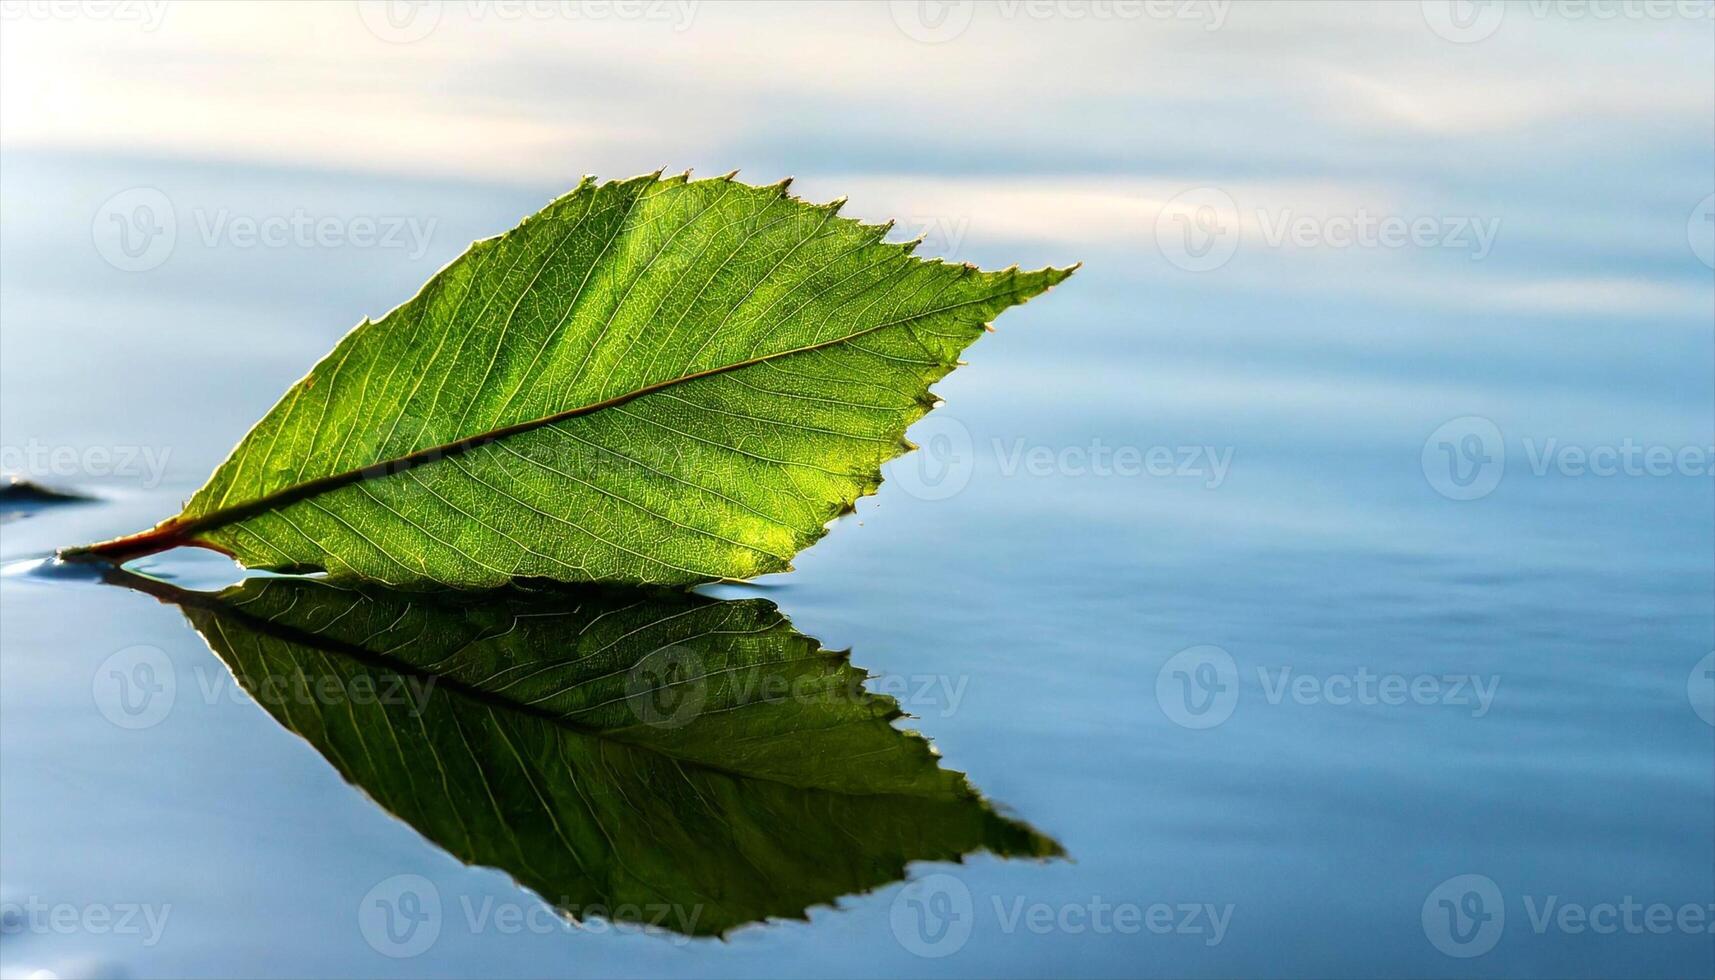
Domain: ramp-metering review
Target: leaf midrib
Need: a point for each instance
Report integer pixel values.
(287, 496)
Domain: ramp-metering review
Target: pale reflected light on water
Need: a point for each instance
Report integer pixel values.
(1343, 529)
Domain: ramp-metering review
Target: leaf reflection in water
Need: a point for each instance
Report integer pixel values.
(668, 758)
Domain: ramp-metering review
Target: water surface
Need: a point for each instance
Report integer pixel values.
(1286, 687)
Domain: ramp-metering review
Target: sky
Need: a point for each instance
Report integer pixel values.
(1065, 125)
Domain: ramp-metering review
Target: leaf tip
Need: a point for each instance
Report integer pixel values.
(1056, 276)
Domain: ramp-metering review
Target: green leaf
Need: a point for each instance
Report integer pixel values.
(649, 381)
(671, 759)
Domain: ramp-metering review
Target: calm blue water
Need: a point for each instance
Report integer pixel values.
(1287, 677)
